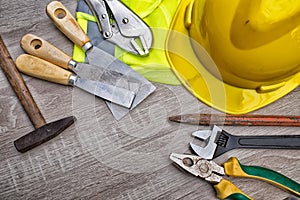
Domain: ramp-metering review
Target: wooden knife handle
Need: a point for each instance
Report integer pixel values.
(20, 88)
(40, 48)
(66, 23)
(42, 69)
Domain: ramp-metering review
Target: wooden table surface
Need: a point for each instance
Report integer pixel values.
(100, 158)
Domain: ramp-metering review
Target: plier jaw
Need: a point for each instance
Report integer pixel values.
(213, 173)
(208, 170)
(121, 26)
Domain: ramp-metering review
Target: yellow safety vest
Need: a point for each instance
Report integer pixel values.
(158, 15)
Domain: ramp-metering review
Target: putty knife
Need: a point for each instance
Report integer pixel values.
(45, 70)
(66, 23)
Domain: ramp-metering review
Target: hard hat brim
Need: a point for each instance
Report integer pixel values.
(211, 90)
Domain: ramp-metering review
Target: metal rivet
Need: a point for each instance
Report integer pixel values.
(125, 21)
(188, 162)
(107, 34)
(204, 168)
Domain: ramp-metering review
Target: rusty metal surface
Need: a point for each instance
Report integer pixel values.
(100, 158)
(237, 120)
(42, 134)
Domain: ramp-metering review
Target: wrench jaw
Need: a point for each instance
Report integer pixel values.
(206, 152)
(209, 137)
(202, 134)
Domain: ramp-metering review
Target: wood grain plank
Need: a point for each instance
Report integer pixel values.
(99, 158)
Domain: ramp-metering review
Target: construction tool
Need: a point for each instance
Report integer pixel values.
(38, 47)
(213, 173)
(66, 23)
(218, 141)
(121, 26)
(42, 69)
(237, 120)
(43, 132)
(291, 197)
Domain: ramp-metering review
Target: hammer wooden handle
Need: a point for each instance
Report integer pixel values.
(18, 85)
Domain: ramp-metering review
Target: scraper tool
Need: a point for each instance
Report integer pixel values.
(68, 25)
(42, 69)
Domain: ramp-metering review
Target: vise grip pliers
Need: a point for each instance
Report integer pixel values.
(213, 173)
(121, 26)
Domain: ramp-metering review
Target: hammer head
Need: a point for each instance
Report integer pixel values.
(209, 137)
(42, 134)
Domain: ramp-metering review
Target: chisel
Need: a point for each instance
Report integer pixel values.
(42, 69)
(237, 120)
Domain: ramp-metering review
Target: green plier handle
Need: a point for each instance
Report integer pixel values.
(227, 190)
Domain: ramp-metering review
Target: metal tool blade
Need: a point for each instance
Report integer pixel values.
(142, 87)
(120, 96)
(106, 75)
(66, 23)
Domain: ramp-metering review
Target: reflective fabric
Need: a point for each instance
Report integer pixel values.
(158, 15)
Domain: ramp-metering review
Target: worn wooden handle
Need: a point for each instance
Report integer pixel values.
(66, 23)
(42, 69)
(38, 47)
(20, 88)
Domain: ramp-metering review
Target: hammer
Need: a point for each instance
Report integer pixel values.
(43, 132)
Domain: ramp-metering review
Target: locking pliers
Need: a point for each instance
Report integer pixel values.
(121, 26)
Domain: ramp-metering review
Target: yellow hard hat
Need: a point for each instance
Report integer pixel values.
(238, 55)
